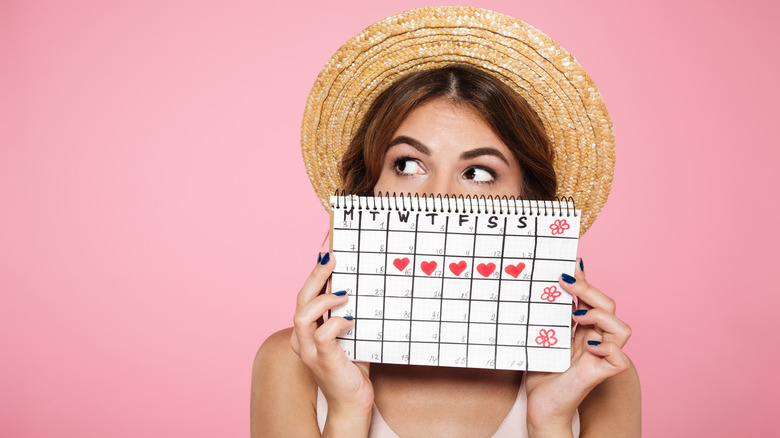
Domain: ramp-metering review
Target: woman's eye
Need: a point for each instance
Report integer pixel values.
(408, 166)
(478, 174)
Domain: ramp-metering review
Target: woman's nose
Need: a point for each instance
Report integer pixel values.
(442, 184)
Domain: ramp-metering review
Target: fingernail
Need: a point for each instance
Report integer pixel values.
(580, 312)
(319, 257)
(566, 277)
(350, 318)
(594, 343)
(326, 258)
(340, 293)
(582, 267)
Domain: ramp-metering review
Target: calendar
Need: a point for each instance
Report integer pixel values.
(455, 281)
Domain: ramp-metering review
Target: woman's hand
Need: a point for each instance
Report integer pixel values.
(596, 355)
(344, 383)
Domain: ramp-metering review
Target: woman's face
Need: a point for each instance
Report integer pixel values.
(442, 148)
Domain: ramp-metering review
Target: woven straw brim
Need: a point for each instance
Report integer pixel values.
(543, 73)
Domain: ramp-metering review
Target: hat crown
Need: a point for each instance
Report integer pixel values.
(549, 78)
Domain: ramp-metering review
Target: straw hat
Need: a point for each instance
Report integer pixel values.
(542, 72)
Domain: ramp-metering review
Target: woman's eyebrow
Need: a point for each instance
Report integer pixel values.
(474, 153)
(411, 142)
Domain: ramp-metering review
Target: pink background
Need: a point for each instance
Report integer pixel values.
(146, 248)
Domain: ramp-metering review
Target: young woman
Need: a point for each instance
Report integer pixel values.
(453, 129)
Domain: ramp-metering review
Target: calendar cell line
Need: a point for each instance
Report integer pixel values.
(441, 297)
(357, 283)
(407, 342)
(536, 226)
(411, 300)
(439, 253)
(471, 282)
(492, 324)
(498, 298)
(384, 288)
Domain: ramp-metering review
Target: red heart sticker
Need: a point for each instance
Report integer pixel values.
(486, 270)
(458, 268)
(400, 264)
(515, 270)
(428, 267)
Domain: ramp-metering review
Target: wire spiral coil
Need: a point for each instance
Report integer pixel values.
(562, 207)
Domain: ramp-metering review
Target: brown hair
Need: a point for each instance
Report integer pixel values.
(510, 117)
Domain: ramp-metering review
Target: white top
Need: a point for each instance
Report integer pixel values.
(514, 425)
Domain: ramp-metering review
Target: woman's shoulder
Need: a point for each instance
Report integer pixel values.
(620, 395)
(281, 386)
(276, 360)
(275, 346)
(274, 354)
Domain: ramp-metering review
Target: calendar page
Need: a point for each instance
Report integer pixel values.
(461, 282)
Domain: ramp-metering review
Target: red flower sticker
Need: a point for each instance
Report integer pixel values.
(551, 293)
(546, 338)
(559, 226)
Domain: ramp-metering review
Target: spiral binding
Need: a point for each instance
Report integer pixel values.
(558, 206)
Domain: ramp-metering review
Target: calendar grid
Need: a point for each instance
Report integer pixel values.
(474, 289)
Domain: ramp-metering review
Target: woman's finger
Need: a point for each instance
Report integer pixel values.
(611, 328)
(325, 338)
(579, 269)
(614, 360)
(586, 293)
(296, 346)
(317, 280)
(306, 317)
(306, 293)
(579, 275)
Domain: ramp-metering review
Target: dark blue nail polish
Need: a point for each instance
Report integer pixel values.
(348, 317)
(582, 267)
(594, 343)
(580, 312)
(319, 257)
(568, 278)
(325, 259)
(340, 293)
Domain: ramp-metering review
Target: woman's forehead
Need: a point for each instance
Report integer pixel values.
(442, 122)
